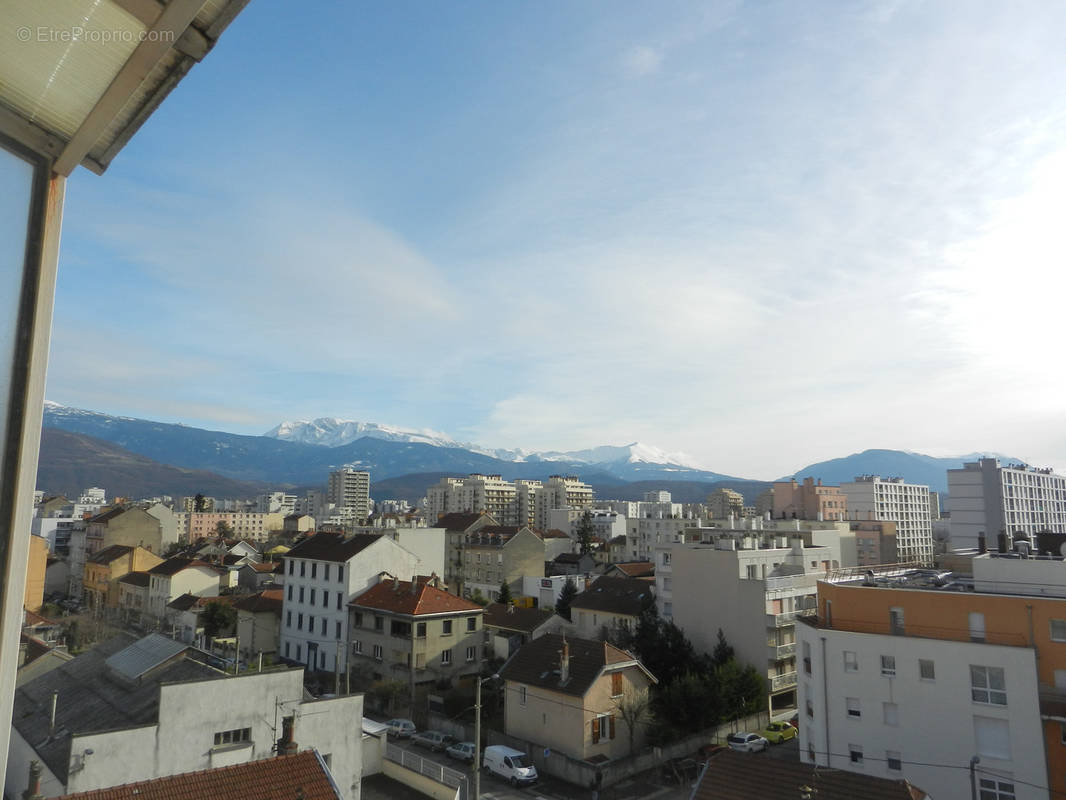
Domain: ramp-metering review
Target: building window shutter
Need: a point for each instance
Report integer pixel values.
(595, 730)
(612, 726)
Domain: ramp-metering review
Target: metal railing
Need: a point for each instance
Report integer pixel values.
(779, 682)
(779, 651)
(788, 617)
(430, 769)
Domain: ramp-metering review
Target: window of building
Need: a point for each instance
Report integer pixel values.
(301, 594)
(379, 623)
(992, 736)
(602, 727)
(325, 572)
(854, 707)
(926, 669)
(888, 666)
(310, 623)
(378, 652)
(447, 628)
(855, 752)
(292, 565)
(996, 789)
(471, 653)
(977, 626)
(420, 630)
(299, 622)
(303, 569)
(337, 631)
(752, 571)
(325, 599)
(235, 736)
(851, 661)
(340, 573)
(312, 596)
(358, 618)
(894, 760)
(471, 623)
(890, 712)
(446, 656)
(288, 619)
(988, 685)
(340, 600)
(807, 657)
(290, 592)
(357, 646)
(324, 623)
(617, 685)
(1058, 630)
(314, 570)
(298, 656)
(810, 708)
(522, 695)
(286, 649)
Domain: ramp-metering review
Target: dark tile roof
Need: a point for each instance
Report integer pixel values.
(616, 596)
(91, 701)
(537, 663)
(183, 603)
(398, 598)
(303, 775)
(554, 533)
(457, 521)
(172, 566)
(513, 618)
(568, 558)
(109, 554)
(266, 600)
(331, 547)
(107, 516)
(739, 776)
(136, 578)
(636, 569)
(35, 648)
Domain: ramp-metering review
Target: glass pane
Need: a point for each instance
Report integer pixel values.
(16, 188)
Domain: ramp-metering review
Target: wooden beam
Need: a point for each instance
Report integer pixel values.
(191, 43)
(166, 30)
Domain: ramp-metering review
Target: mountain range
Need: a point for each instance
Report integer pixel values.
(402, 463)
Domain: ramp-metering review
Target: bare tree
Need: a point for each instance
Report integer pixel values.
(635, 709)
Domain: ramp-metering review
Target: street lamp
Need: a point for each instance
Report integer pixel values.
(477, 734)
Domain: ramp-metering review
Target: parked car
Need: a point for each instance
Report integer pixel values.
(434, 740)
(463, 751)
(401, 728)
(777, 732)
(795, 721)
(747, 742)
(510, 764)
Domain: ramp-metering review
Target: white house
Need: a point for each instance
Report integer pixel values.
(175, 577)
(132, 710)
(322, 574)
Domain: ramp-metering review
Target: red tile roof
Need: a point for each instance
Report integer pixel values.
(266, 600)
(397, 597)
(635, 569)
(280, 778)
(457, 521)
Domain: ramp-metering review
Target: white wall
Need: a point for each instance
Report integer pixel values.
(935, 718)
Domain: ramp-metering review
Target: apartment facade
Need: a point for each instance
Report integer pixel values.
(496, 554)
(987, 498)
(252, 525)
(349, 490)
(808, 500)
(416, 632)
(322, 575)
(871, 497)
(523, 502)
(753, 585)
(104, 569)
(889, 645)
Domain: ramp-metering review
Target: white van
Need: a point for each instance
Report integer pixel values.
(514, 765)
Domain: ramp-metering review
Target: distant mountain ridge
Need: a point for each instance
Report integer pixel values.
(278, 462)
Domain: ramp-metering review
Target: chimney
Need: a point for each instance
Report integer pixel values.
(286, 746)
(564, 662)
(33, 788)
(982, 545)
(396, 584)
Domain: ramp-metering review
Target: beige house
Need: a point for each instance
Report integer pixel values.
(610, 604)
(259, 622)
(35, 571)
(497, 554)
(456, 527)
(415, 632)
(569, 694)
(104, 568)
(126, 525)
(133, 592)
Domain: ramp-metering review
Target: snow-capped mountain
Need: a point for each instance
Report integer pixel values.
(333, 432)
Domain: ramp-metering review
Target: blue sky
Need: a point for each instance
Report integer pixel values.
(762, 235)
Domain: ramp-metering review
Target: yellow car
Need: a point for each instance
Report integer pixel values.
(777, 732)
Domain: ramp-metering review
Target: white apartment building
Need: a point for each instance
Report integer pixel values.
(350, 489)
(322, 574)
(644, 533)
(524, 502)
(753, 585)
(606, 524)
(908, 674)
(276, 503)
(560, 492)
(871, 497)
(987, 498)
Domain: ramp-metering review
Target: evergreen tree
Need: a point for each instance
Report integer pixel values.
(566, 597)
(505, 594)
(585, 531)
(723, 651)
(199, 502)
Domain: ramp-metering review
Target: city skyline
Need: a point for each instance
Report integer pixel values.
(761, 237)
